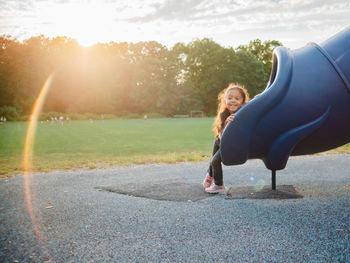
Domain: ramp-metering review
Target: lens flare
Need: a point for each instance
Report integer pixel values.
(28, 156)
(259, 185)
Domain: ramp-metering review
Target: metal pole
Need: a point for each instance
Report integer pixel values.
(273, 180)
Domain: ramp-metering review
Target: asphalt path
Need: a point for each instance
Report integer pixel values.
(75, 221)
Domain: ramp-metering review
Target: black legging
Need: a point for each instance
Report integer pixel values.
(215, 167)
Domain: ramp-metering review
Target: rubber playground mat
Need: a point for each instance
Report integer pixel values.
(167, 190)
(251, 192)
(182, 190)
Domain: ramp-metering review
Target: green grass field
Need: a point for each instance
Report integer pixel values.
(82, 144)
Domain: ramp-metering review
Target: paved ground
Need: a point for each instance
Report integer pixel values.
(79, 222)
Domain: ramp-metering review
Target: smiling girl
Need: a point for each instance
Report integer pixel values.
(231, 100)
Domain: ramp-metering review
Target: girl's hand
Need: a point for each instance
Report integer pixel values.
(230, 118)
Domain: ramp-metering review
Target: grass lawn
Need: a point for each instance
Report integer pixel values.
(81, 144)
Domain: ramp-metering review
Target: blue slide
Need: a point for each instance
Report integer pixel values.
(304, 109)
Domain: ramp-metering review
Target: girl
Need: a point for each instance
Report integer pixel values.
(231, 100)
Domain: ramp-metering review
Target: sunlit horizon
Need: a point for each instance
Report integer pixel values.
(87, 23)
(229, 23)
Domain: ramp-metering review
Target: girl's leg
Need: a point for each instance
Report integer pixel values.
(216, 168)
(209, 176)
(216, 148)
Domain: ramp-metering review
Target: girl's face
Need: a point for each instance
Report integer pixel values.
(233, 100)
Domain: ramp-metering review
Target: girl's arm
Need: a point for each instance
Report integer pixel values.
(228, 119)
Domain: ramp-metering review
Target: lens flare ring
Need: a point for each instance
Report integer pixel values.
(28, 158)
(259, 185)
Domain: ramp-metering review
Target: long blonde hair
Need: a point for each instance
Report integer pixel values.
(222, 111)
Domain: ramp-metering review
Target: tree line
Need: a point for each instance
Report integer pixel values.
(127, 78)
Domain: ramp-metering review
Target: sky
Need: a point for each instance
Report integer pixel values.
(227, 22)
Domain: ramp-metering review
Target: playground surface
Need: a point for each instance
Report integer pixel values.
(82, 216)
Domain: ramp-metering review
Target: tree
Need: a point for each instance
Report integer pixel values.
(262, 51)
(177, 95)
(250, 72)
(124, 78)
(210, 68)
(8, 48)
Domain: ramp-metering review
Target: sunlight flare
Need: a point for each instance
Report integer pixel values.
(87, 22)
(28, 156)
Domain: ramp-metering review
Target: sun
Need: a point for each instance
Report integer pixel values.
(89, 23)
(86, 40)
(92, 21)
(85, 21)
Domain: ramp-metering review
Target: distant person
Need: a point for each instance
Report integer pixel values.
(102, 117)
(145, 118)
(231, 100)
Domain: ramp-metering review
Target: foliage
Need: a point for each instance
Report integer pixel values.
(10, 113)
(77, 116)
(262, 52)
(153, 115)
(126, 78)
(133, 116)
(73, 116)
(109, 116)
(92, 116)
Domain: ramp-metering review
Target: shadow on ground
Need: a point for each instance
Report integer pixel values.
(167, 190)
(182, 190)
(249, 192)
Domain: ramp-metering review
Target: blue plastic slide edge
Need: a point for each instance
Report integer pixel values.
(251, 113)
(283, 146)
(331, 60)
